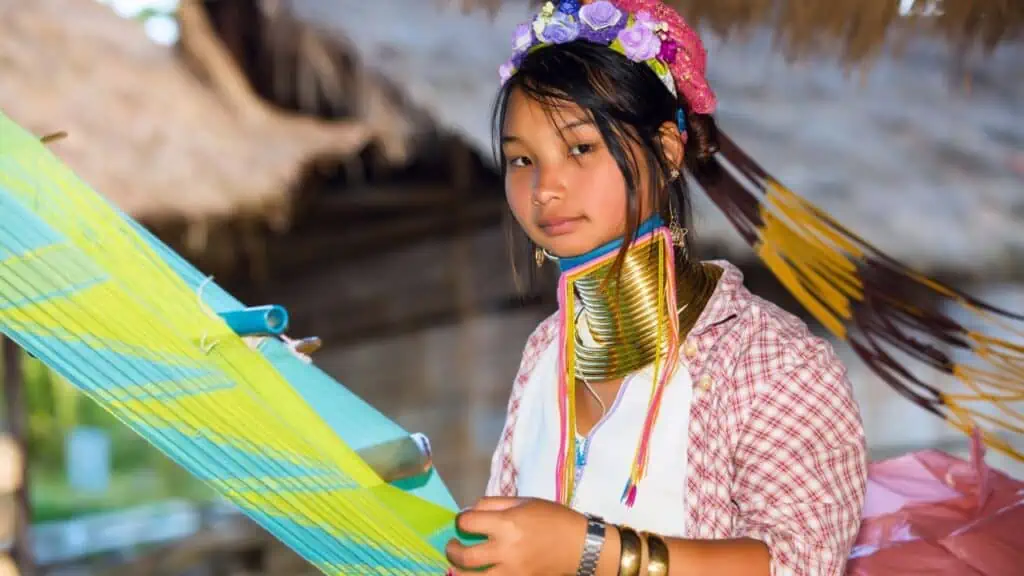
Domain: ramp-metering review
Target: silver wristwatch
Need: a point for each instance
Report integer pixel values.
(591, 546)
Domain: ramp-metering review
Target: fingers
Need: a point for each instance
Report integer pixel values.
(471, 557)
(488, 518)
(485, 523)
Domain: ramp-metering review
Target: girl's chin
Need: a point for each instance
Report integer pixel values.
(571, 248)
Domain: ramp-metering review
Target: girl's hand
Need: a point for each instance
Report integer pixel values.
(525, 537)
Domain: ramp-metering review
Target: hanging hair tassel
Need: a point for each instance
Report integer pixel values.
(565, 469)
(664, 366)
(878, 305)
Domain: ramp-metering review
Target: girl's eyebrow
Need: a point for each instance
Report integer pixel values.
(575, 124)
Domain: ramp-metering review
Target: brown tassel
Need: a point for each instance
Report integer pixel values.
(50, 138)
(881, 307)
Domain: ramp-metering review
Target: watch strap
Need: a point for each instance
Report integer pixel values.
(592, 545)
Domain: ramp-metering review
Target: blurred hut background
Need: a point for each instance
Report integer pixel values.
(334, 156)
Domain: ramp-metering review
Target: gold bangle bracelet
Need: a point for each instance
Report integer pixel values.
(657, 550)
(629, 557)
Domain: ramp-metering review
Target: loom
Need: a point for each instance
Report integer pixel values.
(210, 382)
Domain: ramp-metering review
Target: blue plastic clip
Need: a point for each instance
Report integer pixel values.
(257, 321)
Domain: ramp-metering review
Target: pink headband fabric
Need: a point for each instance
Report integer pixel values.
(654, 34)
(690, 66)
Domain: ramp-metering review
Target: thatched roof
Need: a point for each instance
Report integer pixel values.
(920, 167)
(145, 130)
(854, 30)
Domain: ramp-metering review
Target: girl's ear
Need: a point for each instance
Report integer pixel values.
(672, 145)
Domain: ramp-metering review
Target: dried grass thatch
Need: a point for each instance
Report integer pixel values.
(147, 132)
(856, 30)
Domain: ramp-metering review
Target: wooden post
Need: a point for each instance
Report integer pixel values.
(17, 421)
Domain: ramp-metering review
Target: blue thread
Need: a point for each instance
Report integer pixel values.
(582, 450)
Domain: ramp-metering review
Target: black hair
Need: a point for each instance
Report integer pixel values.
(628, 103)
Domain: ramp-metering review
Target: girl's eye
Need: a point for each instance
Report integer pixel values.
(519, 161)
(581, 149)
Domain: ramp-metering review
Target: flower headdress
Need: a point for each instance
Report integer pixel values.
(644, 31)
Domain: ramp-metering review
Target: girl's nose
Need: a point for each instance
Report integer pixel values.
(549, 185)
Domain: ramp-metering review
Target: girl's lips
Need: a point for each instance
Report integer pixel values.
(559, 226)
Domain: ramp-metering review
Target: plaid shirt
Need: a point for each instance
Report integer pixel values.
(776, 449)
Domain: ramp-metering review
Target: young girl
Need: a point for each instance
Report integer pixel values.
(666, 420)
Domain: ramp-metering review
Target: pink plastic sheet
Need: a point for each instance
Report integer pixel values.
(931, 513)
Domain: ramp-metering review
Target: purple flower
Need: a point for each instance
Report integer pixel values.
(644, 18)
(668, 51)
(523, 38)
(559, 29)
(505, 71)
(569, 7)
(639, 42)
(602, 37)
(600, 15)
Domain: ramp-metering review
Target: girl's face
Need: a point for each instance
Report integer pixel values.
(562, 183)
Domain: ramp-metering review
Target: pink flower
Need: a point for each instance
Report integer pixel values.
(600, 15)
(668, 51)
(644, 18)
(523, 38)
(505, 71)
(639, 42)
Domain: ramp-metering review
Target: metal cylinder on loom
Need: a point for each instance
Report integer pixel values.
(257, 320)
(399, 459)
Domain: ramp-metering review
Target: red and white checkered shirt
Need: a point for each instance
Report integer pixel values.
(776, 446)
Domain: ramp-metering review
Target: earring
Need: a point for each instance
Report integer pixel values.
(674, 174)
(675, 230)
(538, 256)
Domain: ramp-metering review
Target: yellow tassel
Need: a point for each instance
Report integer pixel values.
(570, 371)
